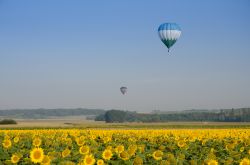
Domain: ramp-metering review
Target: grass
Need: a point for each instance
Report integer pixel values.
(86, 124)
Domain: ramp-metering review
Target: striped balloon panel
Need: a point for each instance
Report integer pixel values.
(169, 33)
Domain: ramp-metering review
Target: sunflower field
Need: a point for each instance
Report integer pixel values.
(128, 147)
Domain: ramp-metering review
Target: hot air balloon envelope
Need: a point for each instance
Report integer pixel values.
(123, 90)
(169, 33)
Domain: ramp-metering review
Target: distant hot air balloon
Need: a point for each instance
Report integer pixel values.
(169, 33)
(123, 90)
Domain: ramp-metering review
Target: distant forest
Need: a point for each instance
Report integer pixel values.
(223, 115)
(48, 113)
(112, 116)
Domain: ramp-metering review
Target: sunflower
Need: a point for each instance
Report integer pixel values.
(66, 153)
(100, 162)
(199, 138)
(52, 155)
(181, 143)
(37, 142)
(46, 160)
(37, 155)
(176, 138)
(119, 149)
(192, 138)
(124, 155)
(212, 162)
(68, 141)
(48, 142)
(109, 148)
(15, 158)
(84, 150)
(80, 141)
(245, 161)
(82, 137)
(107, 154)
(89, 160)
(132, 147)
(138, 161)
(141, 148)
(162, 147)
(229, 147)
(157, 155)
(7, 143)
(242, 149)
(165, 162)
(203, 142)
(170, 156)
(131, 152)
(106, 139)
(16, 139)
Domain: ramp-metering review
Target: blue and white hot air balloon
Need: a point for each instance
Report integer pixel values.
(169, 33)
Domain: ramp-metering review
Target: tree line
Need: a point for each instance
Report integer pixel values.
(46, 113)
(223, 115)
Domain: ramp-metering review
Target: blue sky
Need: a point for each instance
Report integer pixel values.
(67, 54)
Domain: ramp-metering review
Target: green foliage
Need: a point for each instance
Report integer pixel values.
(8, 121)
(113, 116)
(118, 116)
(224, 115)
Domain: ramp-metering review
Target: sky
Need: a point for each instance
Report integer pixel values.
(70, 54)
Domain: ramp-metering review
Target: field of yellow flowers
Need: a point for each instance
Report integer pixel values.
(160, 147)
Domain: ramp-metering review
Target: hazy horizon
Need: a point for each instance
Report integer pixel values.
(147, 111)
(68, 54)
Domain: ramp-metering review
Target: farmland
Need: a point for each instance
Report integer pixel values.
(80, 122)
(85, 146)
(72, 141)
(75, 140)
